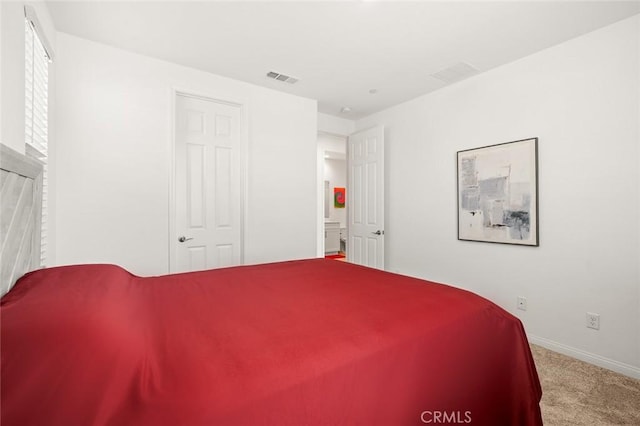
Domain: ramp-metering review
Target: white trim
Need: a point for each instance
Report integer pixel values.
(244, 161)
(172, 184)
(337, 135)
(609, 364)
(320, 199)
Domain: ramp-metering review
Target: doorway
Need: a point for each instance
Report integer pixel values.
(333, 152)
(206, 229)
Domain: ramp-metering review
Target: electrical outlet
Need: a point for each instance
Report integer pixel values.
(522, 303)
(593, 321)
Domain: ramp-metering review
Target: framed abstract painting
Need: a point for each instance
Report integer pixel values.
(339, 197)
(498, 193)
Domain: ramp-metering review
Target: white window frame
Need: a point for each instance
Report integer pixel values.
(38, 55)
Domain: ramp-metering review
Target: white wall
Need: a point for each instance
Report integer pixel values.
(12, 75)
(335, 125)
(582, 100)
(2, 30)
(114, 137)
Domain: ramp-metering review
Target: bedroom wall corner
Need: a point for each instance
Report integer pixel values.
(282, 184)
(582, 100)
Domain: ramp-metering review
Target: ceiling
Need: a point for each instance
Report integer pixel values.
(341, 52)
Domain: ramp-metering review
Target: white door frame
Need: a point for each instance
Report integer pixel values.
(244, 143)
(320, 198)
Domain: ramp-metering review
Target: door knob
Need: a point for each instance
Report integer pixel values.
(378, 232)
(183, 239)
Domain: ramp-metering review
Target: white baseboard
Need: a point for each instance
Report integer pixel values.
(618, 367)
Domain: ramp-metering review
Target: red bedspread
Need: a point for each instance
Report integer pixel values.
(294, 343)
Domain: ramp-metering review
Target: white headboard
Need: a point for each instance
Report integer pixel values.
(20, 216)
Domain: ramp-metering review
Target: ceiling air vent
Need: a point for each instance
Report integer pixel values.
(282, 77)
(456, 72)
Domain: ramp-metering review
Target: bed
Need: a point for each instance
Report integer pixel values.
(307, 342)
(20, 215)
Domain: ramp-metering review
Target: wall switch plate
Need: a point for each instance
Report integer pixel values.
(593, 321)
(522, 303)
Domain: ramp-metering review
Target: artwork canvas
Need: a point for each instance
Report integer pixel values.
(339, 196)
(498, 193)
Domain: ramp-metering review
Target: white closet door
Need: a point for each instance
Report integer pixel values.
(208, 189)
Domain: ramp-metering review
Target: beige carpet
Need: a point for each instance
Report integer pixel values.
(577, 393)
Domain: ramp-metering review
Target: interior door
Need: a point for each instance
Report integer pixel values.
(208, 201)
(366, 200)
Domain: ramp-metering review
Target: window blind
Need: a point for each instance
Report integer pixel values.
(36, 113)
